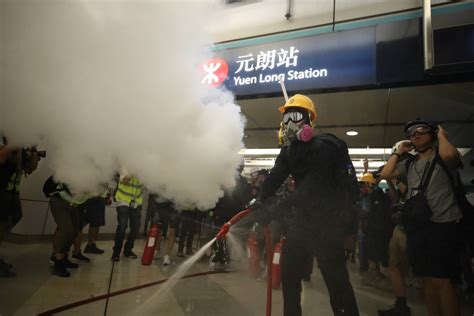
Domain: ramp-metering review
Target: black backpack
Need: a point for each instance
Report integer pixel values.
(346, 181)
(50, 187)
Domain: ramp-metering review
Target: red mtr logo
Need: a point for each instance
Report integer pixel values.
(214, 71)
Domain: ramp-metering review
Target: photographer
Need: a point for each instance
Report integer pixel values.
(431, 213)
(15, 163)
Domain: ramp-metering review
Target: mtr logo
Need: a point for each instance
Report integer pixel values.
(214, 71)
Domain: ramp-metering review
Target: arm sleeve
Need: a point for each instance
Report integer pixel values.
(277, 176)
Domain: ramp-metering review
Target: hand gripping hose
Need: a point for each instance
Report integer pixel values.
(269, 252)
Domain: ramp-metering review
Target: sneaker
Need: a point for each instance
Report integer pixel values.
(70, 265)
(92, 248)
(80, 257)
(115, 257)
(180, 254)
(212, 266)
(395, 311)
(189, 252)
(166, 260)
(52, 259)
(130, 254)
(60, 269)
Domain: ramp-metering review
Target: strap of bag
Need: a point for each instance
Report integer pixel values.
(426, 180)
(449, 174)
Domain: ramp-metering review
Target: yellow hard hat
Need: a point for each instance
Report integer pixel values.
(369, 178)
(300, 101)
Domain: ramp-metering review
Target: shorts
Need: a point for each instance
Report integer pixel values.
(398, 250)
(95, 212)
(170, 217)
(377, 247)
(435, 249)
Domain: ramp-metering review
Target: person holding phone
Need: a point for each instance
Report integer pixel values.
(433, 246)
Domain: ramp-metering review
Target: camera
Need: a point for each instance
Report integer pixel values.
(41, 153)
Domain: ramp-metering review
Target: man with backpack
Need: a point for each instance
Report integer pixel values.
(326, 190)
(432, 214)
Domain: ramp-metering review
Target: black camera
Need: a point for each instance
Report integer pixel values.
(397, 213)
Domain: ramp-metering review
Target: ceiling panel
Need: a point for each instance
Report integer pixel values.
(367, 113)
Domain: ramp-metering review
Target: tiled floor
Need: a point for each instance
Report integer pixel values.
(35, 290)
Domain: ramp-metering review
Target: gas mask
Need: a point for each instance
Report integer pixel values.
(293, 132)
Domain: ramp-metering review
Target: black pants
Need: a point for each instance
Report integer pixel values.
(327, 245)
(187, 231)
(126, 215)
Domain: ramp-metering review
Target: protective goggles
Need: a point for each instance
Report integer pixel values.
(292, 116)
(418, 129)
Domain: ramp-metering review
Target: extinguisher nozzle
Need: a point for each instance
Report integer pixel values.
(223, 231)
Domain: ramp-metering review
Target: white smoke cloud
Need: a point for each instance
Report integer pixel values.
(113, 85)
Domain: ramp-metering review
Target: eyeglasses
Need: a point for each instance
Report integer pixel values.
(418, 130)
(292, 116)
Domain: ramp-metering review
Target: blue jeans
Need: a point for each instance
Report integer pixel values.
(127, 215)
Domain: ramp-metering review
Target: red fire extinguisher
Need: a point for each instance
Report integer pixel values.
(154, 237)
(276, 264)
(254, 255)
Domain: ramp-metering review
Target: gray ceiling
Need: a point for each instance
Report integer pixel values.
(376, 116)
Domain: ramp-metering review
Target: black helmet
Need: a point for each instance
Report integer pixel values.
(420, 121)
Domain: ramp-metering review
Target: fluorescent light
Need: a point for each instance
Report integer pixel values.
(352, 133)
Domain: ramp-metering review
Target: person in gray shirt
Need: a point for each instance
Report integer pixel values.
(433, 248)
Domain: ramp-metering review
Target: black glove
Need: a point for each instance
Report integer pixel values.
(260, 213)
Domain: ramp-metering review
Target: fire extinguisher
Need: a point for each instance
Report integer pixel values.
(153, 239)
(254, 255)
(276, 264)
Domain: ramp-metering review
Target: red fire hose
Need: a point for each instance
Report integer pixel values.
(269, 250)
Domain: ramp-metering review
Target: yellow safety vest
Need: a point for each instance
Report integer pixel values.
(15, 181)
(131, 191)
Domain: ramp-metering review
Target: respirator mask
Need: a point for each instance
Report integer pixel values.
(294, 129)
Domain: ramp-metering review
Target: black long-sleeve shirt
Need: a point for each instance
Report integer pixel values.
(313, 166)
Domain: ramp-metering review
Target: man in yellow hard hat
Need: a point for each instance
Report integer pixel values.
(319, 165)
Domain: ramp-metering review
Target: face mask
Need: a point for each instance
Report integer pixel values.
(294, 132)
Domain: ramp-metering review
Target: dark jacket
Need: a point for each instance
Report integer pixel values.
(233, 201)
(313, 166)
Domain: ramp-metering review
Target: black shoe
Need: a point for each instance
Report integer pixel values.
(395, 310)
(3, 264)
(92, 248)
(70, 265)
(5, 272)
(130, 254)
(60, 269)
(307, 278)
(80, 257)
(180, 254)
(115, 256)
(189, 252)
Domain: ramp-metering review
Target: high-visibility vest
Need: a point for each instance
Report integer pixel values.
(15, 181)
(131, 191)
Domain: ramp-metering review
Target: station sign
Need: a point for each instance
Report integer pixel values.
(333, 60)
